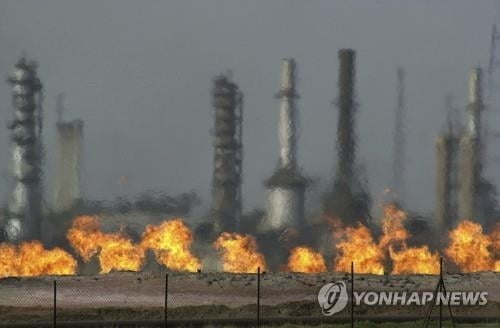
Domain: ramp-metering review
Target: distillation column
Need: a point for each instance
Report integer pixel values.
(470, 144)
(226, 182)
(447, 147)
(348, 199)
(286, 185)
(24, 207)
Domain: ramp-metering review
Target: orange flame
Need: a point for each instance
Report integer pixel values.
(405, 260)
(359, 247)
(171, 242)
(414, 260)
(32, 259)
(470, 248)
(392, 226)
(305, 259)
(85, 236)
(239, 253)
(116, 251)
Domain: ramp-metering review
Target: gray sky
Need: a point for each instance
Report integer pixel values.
(139, 74)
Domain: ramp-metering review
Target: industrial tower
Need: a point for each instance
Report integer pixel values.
(286, 185)
(70, 142)
(470, 144)
(447, 173)
(399, 146)
(348, 199)
(24, 207)
(228, 154)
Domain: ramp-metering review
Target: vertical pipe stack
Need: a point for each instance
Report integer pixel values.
(447, 179)
(226, 183)
(24, 208)
(470, 144)
(346, 142)
(399, 137)
(348, 199)
(286, 185)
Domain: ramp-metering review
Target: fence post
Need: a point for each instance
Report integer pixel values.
(352, 294)
(54, 323)
(258, 297)
(440, 289)
(165, 306)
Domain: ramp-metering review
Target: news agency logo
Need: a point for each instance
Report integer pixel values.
(333, 298)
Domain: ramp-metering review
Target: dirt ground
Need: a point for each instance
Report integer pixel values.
(141, 296)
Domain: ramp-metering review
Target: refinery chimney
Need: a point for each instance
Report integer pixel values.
(470, 144)
(228, 153)
(286, 185)
(24, 207)
(348, 199)
(68, 179)
(447, 148)
(398, 170)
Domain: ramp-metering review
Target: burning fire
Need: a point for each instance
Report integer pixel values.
(471, 249)
(358, 246)
(171, 242)
(405, 260)
(32, 259)
(116, 251)
(239, 253)
(392, 226)
(416, 260)
(305, 259)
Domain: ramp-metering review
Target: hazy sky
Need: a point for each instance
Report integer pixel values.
(139, 74)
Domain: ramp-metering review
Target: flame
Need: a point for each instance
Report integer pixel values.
(470, 248)
(405, 260)
(239, 253)
(495, 239)
(116, 251)
(32, 259)
(171, 242)
(85, 236)
(414, 260)
(392, 226)
(120, 253)
(305, 259)
(359, 247)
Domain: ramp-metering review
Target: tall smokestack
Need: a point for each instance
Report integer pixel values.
(24, 208)
(287, 136)
(475, 103)
(399, 137)
(346, 142)
(286, 185)
(68, 180)
(348, 199)
(226, 183)
(447, 147)
(470, 168)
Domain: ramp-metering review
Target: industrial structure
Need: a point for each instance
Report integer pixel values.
(228, 154)
(68, 178)
(286, 185)
(447, 182)
(470, 157)
(462, 190)
(24, 207)
(399, 146)
(348, 199)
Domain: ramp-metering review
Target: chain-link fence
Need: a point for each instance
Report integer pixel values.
(197, 299)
